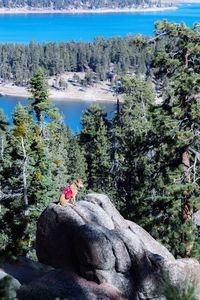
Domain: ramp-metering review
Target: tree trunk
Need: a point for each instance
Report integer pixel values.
(25, 164)
(187, 209)
(2, 147)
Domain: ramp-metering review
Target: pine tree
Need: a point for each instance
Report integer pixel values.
(40, 95)
(94, 139)
(3, 142)
(3, 134)
(15, 180)
(46, 138)
(76, 159)
(131, 162)
(156, 154)
(176, 129)
(33, 165)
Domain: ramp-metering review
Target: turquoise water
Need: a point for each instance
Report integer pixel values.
(56, 27)
(85, 27)
(71, 110)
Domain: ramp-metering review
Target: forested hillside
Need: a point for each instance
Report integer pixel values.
(146, 158)
(68, 4)
(117, 55)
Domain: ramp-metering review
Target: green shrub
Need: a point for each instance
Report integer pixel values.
(175, 293)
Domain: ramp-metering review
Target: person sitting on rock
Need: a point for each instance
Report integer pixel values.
(70, 192)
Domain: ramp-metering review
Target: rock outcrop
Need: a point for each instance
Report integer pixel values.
(25, 270)
(97, 254)
(8, 285)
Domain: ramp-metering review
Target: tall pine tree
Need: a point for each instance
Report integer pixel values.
(176, 127)
(94, 139)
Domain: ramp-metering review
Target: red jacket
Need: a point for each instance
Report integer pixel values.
(68, 192)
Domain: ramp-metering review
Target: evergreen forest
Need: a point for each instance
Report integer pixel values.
(67, 4)
(146, 158)
(104, 56)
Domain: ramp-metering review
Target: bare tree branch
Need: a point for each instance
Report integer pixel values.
(2, 147)
(197, 154)
(25, 165)
(11, 196)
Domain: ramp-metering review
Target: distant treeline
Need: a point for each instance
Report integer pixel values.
(68, 4)
(115, 55)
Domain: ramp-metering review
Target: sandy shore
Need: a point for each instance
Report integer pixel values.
(98, 92)
(175, 2)
(95, 93)
(189, 1)
(84, 11)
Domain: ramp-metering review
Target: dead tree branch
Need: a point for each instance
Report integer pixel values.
(24, 173)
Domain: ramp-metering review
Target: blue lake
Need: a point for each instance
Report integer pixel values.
(85, 27)
(71, 110)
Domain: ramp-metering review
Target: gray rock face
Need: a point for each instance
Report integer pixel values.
(60, 284)
(102, 255)
(12, 284)
(25, 270)
(149, 243)
(104, 202)
(15, 282)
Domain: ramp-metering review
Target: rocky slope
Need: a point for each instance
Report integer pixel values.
(97, 254)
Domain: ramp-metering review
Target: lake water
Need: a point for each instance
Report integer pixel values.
(85, 27)
(71, 110)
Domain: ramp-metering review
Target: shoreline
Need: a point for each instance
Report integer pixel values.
(182, 1)
(84, 11)
(98, 93)
(189, 1)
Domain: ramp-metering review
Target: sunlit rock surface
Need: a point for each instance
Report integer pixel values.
(97, 254)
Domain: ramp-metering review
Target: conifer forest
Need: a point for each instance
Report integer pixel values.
(146, 158)
(66, 4)
(147, 155)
